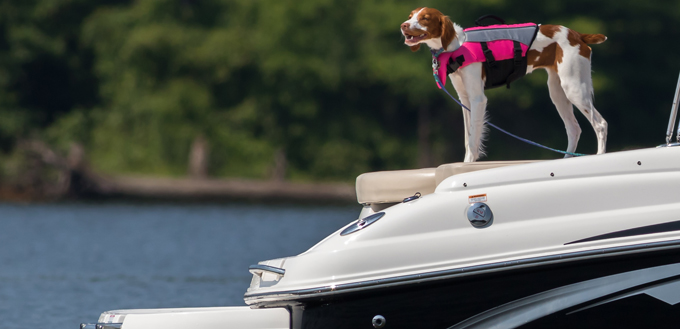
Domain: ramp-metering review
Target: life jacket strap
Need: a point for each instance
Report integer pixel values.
(518, 52)
(454, 64)
(488, 54)
(520, 69)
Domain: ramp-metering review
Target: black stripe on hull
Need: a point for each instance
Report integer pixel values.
(651, 229)
(446, 303)
(640, 311)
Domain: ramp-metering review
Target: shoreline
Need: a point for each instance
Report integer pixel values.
(192, 189)
(89, 186)
(75, 179)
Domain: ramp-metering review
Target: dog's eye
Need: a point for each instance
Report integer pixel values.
(425, 18)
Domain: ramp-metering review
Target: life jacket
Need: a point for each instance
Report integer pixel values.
(501, 48)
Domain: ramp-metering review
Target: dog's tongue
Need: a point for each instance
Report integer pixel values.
(414, 38)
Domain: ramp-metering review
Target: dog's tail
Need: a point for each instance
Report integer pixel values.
(593, 39)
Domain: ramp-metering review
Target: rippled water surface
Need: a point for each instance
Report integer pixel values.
(63, 264)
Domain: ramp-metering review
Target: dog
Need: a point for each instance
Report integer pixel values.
(563, 52)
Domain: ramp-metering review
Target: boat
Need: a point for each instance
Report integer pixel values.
(583, 242)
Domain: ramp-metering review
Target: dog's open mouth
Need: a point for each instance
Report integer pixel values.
(414, 39)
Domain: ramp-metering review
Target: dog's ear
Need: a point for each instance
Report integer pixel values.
(448, 32)
(415, 48)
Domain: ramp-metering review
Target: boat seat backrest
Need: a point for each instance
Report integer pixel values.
(395, 185)
(386, 187)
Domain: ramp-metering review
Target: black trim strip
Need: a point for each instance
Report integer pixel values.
(651, 229)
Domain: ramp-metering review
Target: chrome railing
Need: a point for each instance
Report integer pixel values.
(671, 121)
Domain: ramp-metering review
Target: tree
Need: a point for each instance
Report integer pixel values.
(325, 87)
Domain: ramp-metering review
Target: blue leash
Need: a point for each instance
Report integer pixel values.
(435, 66)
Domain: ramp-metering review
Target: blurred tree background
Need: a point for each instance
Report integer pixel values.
(325, 89)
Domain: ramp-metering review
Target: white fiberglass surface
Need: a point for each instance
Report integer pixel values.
(216, 317)
(533, 216)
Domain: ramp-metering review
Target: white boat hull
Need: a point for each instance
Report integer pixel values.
(570, 241)
(241, 317)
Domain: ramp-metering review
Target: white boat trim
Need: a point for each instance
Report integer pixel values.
(254, 299)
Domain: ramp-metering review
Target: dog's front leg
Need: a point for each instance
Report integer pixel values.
(457, 82)
(473, 84)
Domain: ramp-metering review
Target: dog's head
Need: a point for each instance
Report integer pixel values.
(430, 26)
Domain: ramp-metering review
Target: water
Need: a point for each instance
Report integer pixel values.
(63, 264)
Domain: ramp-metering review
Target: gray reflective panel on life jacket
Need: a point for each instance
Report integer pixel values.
(524, 35)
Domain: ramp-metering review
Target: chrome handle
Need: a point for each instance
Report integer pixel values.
(258, 269)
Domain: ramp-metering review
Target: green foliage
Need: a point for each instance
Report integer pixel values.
(328, 81)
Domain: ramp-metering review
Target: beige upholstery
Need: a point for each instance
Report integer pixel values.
(447, 170)
(383, 187)
(394, 186)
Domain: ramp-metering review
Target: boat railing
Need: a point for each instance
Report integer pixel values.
(671, 121)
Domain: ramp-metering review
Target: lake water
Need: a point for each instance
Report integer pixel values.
(63, 264)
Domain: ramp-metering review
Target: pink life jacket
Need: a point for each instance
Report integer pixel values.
(502, 48)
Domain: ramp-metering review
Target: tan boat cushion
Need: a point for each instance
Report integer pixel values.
(393, 186)
(447, 170)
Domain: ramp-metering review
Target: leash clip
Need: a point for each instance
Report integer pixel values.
(435, 59)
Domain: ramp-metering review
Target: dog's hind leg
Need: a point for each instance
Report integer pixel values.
(598, 122)
(565, 109)
(576, 82)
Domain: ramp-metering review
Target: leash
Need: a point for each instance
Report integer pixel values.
(435, 68)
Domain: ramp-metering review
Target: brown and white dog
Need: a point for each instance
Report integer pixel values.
(564, 53)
